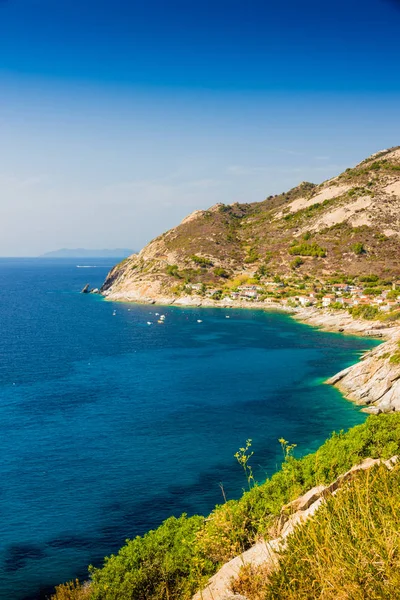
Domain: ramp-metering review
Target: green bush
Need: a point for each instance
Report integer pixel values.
(172, 270)
(358, 248)
(200, 260)
(336, 306)
(252, 256)
(161, 564)
(374, 291)
(220, 272)
(395, 358)
(307, 250)
(262, 271)
(369, 279)
(364, 311)
(296, 263)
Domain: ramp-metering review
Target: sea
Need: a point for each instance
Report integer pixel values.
(110, 421)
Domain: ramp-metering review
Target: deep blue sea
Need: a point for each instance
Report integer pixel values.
(110, 425)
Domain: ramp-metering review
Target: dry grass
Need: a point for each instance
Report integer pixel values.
(73, 590)
(349, 550)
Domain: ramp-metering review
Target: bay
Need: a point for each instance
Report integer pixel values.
(109, 425)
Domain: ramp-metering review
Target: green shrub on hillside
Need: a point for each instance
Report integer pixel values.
(393, 315)
(358, 191)
(358, 248)
(200, 260)
(307, 250)
(220, 272)
(364, 311)
(252, 256)
(373, 291)
(161, 564)
(368, 279)
(296, 263)
(172, 270)
(395, 358)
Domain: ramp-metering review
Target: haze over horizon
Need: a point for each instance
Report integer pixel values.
(117, 120)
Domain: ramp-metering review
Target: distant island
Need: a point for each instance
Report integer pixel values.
(87, 253)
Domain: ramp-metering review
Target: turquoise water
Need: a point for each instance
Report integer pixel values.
(110, 425)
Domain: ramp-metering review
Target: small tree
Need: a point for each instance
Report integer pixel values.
(220, 272)
(358, 248)
(296, 263)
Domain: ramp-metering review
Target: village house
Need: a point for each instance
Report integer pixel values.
(354, 289)
(249, 294)
(302, 300)
(345, 301)
(340, 288)
(328, 299)
(390, 305)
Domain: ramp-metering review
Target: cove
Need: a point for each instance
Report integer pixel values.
(110, 425)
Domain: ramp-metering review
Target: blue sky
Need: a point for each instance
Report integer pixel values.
(119, 118)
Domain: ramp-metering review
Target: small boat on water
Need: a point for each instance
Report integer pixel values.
(149, 323)
(160, 321)
(199, 321)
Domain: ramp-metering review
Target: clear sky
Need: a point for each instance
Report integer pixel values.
(118, 118)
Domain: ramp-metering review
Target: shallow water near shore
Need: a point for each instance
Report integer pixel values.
(109, 425)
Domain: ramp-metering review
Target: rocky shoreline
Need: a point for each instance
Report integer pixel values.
(373, 382)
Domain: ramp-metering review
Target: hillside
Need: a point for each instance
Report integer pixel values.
(342, 227)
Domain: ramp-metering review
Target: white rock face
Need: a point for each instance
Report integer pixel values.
(374, 381)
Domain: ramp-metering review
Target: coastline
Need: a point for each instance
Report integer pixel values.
(373, 382)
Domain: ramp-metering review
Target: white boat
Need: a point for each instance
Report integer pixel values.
(199, 321)
(149, 323)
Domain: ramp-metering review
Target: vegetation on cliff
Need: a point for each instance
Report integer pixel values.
(173, 561)
(350, 549)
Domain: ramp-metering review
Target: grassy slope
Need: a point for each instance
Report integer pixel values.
(173, 560)
(350, 549)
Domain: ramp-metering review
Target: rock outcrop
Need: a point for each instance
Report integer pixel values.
(375, 380)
